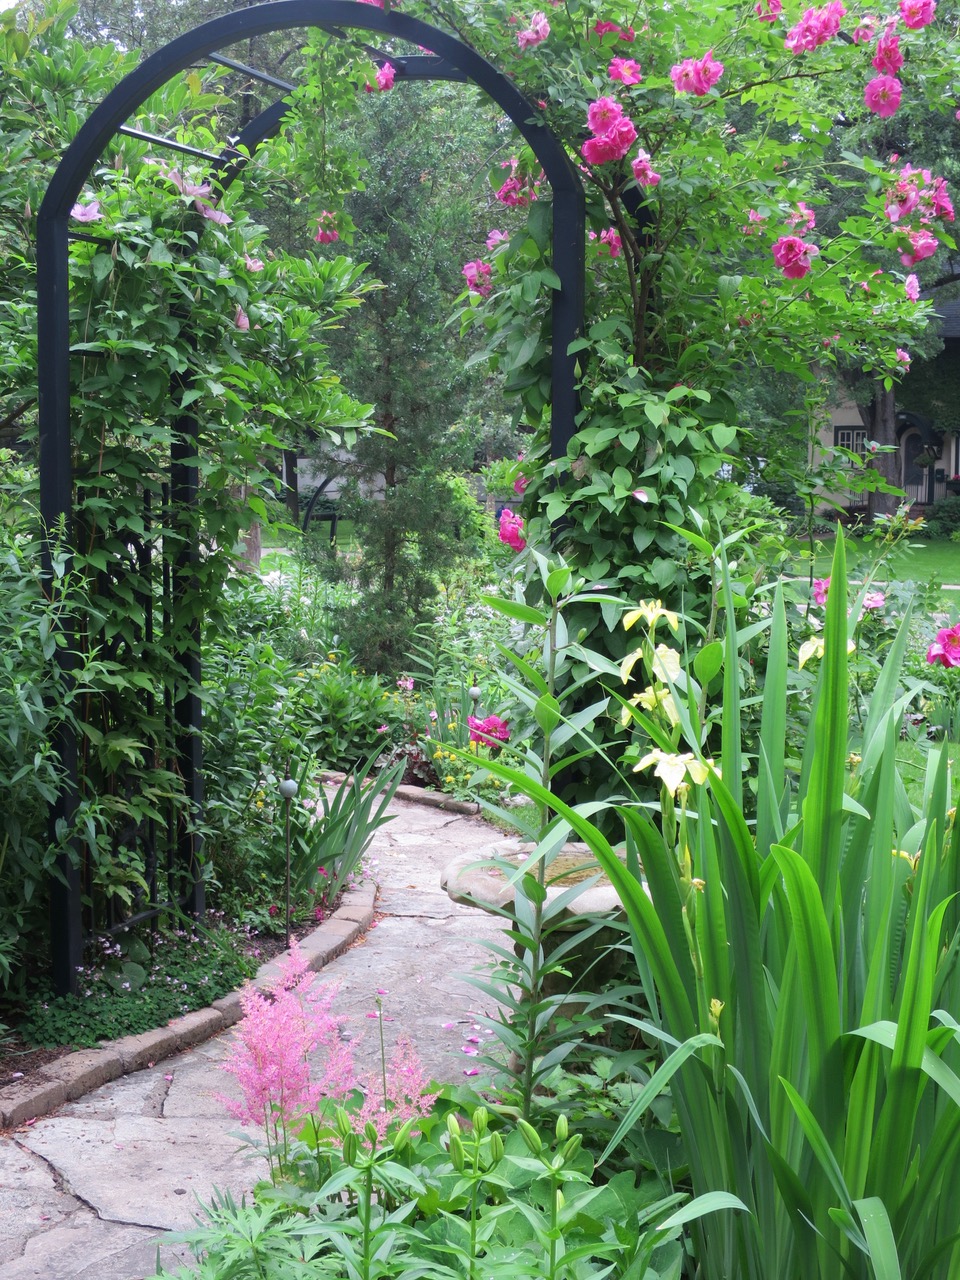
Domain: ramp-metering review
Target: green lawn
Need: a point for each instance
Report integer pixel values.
(919, 562)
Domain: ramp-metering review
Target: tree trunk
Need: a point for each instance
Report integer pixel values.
(880, 419)
(291, 486)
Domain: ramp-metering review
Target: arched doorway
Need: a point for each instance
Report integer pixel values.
(440, 57)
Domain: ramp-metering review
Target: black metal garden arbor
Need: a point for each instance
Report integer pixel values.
(448, 59)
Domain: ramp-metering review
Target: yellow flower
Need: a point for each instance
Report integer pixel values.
(671, 769)
(854, 758)
(451, 726)
(438, 755)
(666, 664)
(449, 778)
(814, 648)
(652, 698)
(650, 611)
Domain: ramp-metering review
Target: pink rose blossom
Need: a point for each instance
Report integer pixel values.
(511, 530)
(815, 28)
(612, 144)
(606, 28)
(626, 70)
(922, 245)
(86, 212)
(643, 170)
(385, 76)
(613, 242)
(805, 215)
(917, 13)
(911, 287)
(603, 114)
(903, 357)
(520, 485)
(536, 33)
(477, 275)
(888, 58)
(882, 95)
(496, 238)
(874, 600)
(327, 231)
(867, 29)
(490, 731)
(792, 255)
(768, 10)
(946, 647)
(696, 77)
(252, 264)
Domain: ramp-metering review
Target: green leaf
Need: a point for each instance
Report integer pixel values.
(708, 661)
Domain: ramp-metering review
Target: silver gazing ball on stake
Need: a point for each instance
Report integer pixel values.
(474, 692)
(288, 789)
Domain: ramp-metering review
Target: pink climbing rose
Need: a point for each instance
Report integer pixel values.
(603, 115)
(477, 275)
(922, 245)
(496, 238)
(815, 28)
(888, 58)
(793, 256)
(327, 231)
(643, 170)
(882, 95)
(917, 13)
(874, 600)
(696, 76)
(385, 76)
(626, 70)
(613, 242)
(511, 530)
(536, 33)
(911, 287)
(491, 731)
(768, 10)
(946, 647)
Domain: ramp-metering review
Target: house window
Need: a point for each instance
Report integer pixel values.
(852, 438)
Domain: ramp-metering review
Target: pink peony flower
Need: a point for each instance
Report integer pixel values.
(385, 76)
(768, 10)
(911, 287)
(882, 95)
(820, 588)
(626, 70)
(792, 255)
(917, 13)
(477, 275)
(643, 170)
(946, 647)
(327, 231)
(86, 212)
(511, 530)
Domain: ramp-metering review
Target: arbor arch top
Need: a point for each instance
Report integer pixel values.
(447, 58)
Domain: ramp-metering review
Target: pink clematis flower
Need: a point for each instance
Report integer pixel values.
(793, 256)
(882, 95)
(626, 70)
(511, 530)
(945, 649)
(86, 212)
(917, 13)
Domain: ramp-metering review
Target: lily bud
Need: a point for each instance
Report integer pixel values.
(530, 1137)
(563, 1128)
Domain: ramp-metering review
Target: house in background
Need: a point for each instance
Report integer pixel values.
(928, 423)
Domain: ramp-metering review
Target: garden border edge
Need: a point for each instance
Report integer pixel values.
(77, 1073)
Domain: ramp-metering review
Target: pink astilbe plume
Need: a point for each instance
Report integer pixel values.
(281, 1028)
(408, 1093)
